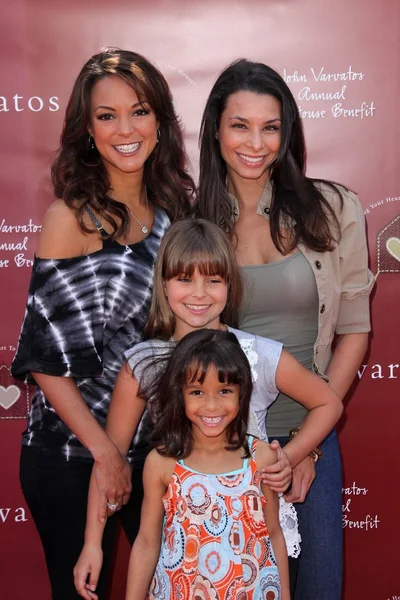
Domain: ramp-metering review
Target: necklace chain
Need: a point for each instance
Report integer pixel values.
(143, 226)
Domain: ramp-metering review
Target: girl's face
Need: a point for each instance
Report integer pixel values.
(250, 135)
(210, 405)
(196, 301)
(124, 130)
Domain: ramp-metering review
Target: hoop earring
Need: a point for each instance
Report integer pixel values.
(91, 142)
(158, 135)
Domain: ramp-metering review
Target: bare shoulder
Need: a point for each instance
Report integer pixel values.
(264, 454)
(160, 467)
(61, 236)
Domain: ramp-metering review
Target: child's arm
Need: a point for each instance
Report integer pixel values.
(123, 417)
(317, 397)
(146, 549)
(264, 457)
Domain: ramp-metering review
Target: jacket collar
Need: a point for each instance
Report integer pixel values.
(263, 206)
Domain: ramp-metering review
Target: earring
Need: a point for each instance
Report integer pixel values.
(158, 135)
(91, 142)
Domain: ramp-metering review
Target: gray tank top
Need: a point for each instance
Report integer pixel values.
(281, 303)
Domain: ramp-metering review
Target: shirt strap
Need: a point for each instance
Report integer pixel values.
(96, 223)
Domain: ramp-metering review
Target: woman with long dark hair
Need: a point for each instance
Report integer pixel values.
(119, 178)
(301, 244)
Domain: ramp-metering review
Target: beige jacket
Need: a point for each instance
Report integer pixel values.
(343, 279)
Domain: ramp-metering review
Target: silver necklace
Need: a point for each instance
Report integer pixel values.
(143, 226)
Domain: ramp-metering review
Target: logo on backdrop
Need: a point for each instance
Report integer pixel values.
(17, 515)
(18, 103)
(14, 396)
(332, 91)
(16, 249)
(388, 248)
(365, 522)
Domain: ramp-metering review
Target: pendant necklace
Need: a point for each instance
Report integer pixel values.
(143, 226)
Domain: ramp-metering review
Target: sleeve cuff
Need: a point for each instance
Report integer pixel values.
(354, 315)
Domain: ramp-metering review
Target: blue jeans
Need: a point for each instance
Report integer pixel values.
(320, 562)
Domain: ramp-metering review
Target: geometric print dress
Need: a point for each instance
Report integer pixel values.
(215, 543)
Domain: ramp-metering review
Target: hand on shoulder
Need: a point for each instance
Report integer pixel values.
(61, 236)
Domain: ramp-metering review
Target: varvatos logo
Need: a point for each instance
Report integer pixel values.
(17, 515)
(18, 103)
(379, 372)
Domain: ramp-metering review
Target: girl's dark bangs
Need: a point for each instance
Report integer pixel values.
(198, 367)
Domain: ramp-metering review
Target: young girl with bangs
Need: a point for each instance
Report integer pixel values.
(197, 285)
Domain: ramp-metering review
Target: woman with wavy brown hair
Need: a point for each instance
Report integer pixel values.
(119, 178)
(302, 247)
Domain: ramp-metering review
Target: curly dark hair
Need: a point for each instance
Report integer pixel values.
(297, 202)
(78, 174)
(190, 361)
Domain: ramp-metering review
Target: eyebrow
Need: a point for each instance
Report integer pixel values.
(243, 120)
(103, 106)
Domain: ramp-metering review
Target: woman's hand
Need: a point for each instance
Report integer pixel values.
(278, 475)
(302, 478)
(114, 483)
(89, 564)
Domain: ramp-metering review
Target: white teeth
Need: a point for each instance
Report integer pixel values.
(211, 420)
(252, 160)
(127, 148)
(197, 306)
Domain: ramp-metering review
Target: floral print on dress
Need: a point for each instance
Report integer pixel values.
(215, 543)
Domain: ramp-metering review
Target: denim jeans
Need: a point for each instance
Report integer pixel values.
(56, 492)
(319, 574)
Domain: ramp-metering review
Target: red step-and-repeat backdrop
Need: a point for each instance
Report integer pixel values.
(341, 59)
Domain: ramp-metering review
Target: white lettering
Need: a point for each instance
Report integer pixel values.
(365, 110)
(307, 94)
(12, 246)
(294, 77)
(378, 373)
(3, 104)
(53, 104)
(21, 261)
(348, 75)
(391, 369)
(20, 515)
(3, 516)
(30, 104)
(16, 106)
(360, 372)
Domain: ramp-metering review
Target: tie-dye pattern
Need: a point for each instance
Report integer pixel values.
(82, 314)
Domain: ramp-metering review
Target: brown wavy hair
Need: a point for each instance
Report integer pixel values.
(190, 361)
(187, 245)
(78, 174)
(297, 202)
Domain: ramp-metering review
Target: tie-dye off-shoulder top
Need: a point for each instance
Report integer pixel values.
(82, 314)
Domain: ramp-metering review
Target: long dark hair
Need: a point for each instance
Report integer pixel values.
(187, 245)
(297, 202)
(78, 174)
(189, 362)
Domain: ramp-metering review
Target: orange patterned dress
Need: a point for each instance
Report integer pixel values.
(215, 542)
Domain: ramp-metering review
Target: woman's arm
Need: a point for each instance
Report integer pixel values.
(265, 457)
(346, 360)
(146, 549)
